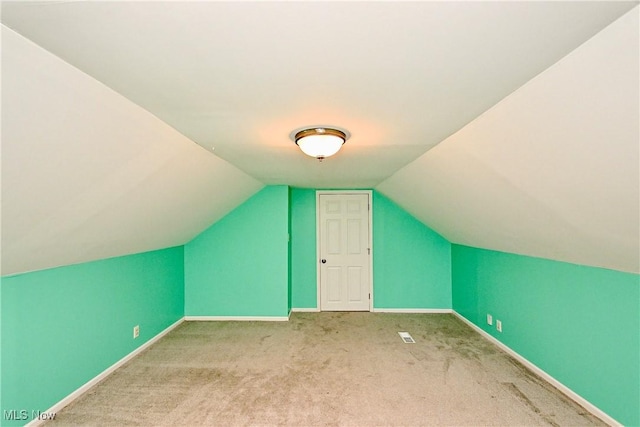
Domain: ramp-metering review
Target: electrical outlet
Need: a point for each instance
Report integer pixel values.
(489, 319)
(499, 325)
(136, 331)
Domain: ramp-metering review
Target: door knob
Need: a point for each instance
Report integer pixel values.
(324, 261)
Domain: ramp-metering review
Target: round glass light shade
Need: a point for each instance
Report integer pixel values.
(320, 142)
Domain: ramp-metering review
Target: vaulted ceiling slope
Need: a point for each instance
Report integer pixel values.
(106, 167)
(550, 171)
(241, 76)
(87, 174)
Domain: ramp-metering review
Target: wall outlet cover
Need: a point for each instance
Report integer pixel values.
(499, 325)
(489, 319)
(136, 331)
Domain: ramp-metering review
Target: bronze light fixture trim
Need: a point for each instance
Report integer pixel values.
(320, 141)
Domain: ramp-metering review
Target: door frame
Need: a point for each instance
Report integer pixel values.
(339, 192)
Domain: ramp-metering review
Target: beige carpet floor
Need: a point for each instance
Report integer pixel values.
(334, 369)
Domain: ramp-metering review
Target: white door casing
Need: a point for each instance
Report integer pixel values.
(344, 250)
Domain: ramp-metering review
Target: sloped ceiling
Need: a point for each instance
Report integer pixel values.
(86, 174)
(89, 174)
(553, 170)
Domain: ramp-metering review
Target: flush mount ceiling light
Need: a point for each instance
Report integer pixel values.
(320, 142)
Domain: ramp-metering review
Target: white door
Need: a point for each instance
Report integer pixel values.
(344, 252)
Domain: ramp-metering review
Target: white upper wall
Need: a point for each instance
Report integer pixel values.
(87, 174)
(552, 170)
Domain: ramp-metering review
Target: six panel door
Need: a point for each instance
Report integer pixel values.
(344, 252)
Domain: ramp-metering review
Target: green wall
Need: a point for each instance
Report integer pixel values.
(64, 326)
(411, 263)
(303, 248)
(579, 324)
(1, 351)
(289, 265)
(240, 265)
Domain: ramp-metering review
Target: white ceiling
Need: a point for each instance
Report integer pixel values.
(240, 76)
(88, 175)
(553, 170)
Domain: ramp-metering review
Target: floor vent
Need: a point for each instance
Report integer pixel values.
(406, 338)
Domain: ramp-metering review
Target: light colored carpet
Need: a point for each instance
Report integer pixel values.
(342, 369)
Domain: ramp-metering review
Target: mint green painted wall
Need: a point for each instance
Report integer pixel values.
(239, 265)
(289, 266)
(64, 326)
(579, 324)
(411, 262)
(1, 378)
(303, 248)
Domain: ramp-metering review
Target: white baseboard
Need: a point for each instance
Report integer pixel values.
(236, 318)
(557, 384)
(386, 310)
(73, 396)
(414, 310)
